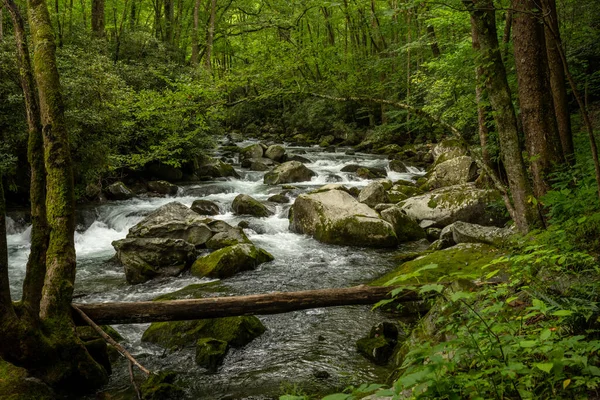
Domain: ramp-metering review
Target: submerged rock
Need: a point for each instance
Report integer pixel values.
(235, 331)
(455, 203)
(336, 217)
(119, 191)
(148, 258)
(210, 353)
(174, 221)
(289, 172)
(246, 205)
(161, 386)
(379, 345)
(230, 260)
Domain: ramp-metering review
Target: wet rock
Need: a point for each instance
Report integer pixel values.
(229, 261)
(17, 384)
(398, 166)
(118, 191)
(336, 217)
(230, 237)
(164, 172)
(396, 197)
(408, 190)
(406, 228)
(243, 224)
(163, 187)
(211, 168)
(279, 198)
(252, 151)
(333, 178)
(289, 172)
(455, 171)
(210, 353)
(379, 345)
(235, 331)
(387, 184)
(161, 386)
(175, 221)
(276, 152)
(462, 232)
(350, 152)
(246, 205)
(321, 374)
(148, 258)
(455, 203)
(433, 234)
(373, 194)
(298, 158)
(205, 207)
(257, 165)
(371, 173)
(330, 149)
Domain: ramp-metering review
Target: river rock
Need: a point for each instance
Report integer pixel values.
(230, 237)
(373, 194)
(462, 232)
(406, 228)
(209, 168)
(230, 260)
(235, 331)
(454, 203)
(447, 150)
(246, 205)
(298, 158)
(365, 172)
(289, 172)
(210, 353)
(258, 165)
(149, 258)
(398, 166)
(119, 191)
(205, 207)
(252, 151)
(455, 171)
(162, 187)
(175, 221)
(336, 217)
(17, 384)
(379, 345)
(276, 152)
(279, 198)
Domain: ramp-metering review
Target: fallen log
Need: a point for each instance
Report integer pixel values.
(217, 307)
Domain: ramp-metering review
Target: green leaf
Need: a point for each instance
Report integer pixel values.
(492, 274)
(546, 367)
(546, 333)
(337, 396)
(431, 288)
(511, 299)
(460, 295)
(562, 313)
(528, 343)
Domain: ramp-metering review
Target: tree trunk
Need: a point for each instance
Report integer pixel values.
(433, 43)
(98, 18)
(133, 16)
(36, 264)
(1, 24)
(535, 97)
(217, 307)
(481, 112)
(169, 16)
(210, 34)
(558, 79)
(483, 22)
(6, 308)
(195, 45)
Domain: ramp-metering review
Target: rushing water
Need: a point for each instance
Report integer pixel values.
(312, 349)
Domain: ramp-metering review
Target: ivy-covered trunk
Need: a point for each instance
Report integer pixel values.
(483, 21)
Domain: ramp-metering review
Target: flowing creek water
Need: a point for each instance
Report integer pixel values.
(311, 349)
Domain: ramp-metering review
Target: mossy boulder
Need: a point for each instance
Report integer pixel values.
(455, 203)
(335, 217)
(210, 353)
(174, 221)
(464, 260)
(235, 331)
(252, 151)
(379, 345)
(17, 384)
(148, 258)
(205, 207)
(210, 168)
(406, 228)
(227, 238)
(276, 152)
(462, 232)
(119, 191)
(398, 166)
(447, 150)
(407, 189)
(230, 260)
(247, 205)
(373, 194)
(194, 291)
(163, 187)
(365, 172)
(455, 171)
(279, 198)
(161, 386)
(289, 172)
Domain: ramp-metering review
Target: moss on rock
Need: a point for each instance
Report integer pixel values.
(16, 384)
(161, 386)
(210, 353)
(230, 260)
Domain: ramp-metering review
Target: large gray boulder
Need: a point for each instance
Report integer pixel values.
(407, 229)
(149, 258)
(444, 206)
(209, 168)
(289, 172)
(247, 205)
(448, 149)
(173, 221)
(276, 152)
(230, 237)
(463, 232)
(336, 217)
(455, 171)
(205, 207)
(252, 151)
(119, 191)
(373, 194)
(162, 187)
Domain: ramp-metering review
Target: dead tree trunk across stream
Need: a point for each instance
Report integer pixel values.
(218, 307)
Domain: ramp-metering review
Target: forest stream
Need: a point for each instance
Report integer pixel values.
(312, 350)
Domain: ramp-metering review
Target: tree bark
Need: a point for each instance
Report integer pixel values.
(195, 45)
(36, 264)
(535, 97)
(1, 23)
(481, 111)
(435, 48)
(483, 21)
(217, 307)
(210, 34)
(6, 307)
(98, 19)
(558, 79)
(169, 16)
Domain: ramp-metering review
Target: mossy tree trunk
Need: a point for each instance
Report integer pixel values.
(483, 21)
